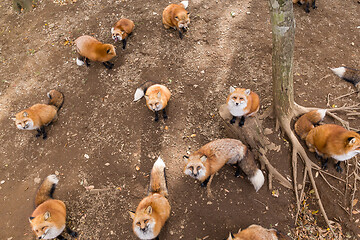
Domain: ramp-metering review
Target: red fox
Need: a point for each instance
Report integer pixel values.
(307, 121)
(256, 232)
(90, 48)
(153, 211)
(40, 115)
(242, 103)
(307, 4)
(48, 220)
(121, 30)
(328, 140)
(348, 74)
(157, 97)
(211, 157)
(175, 16)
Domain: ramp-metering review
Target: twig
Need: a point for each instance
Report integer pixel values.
(331, 186)
(302, 195)
(345, 95)
(344, 209)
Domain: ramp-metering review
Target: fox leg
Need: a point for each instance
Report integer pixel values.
(61, 237)
(156, 116)
(164, 114)
(38, 133)
(307, 6)
(71, 232)
(108, 65)
(157, 238)
(299, 3)
(43, 132)
(204, 183)
(124, 43)
(338, 168)
(180, 34)
(242, 121)
(313, 4)
(232, 121)
(87, 62)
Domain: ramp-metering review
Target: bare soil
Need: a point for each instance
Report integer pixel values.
(100, 120)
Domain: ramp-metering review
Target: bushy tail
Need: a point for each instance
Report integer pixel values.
(249, 167)
(185, 4)
(140, 92)
(46, 189)
(307, 121)
(348, 74)
(56, 98)
(158, 178)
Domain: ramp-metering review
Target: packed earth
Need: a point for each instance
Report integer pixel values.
(103, 145)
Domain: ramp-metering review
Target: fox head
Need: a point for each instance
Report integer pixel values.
(195, 166)
(353, 143)
(154, 101)
(110, 50)
(143, 223)
(23, 121)
(182, 19)
(238, 97)
(43, 227)
(118, 35)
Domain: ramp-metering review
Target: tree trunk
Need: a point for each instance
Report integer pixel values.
(283, 33)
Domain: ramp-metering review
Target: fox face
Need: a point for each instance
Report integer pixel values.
(195, 167)
(154, 101)
(44, 228)
(183, 20)
(238, 100)
(110, 50)
(352, 148)
(117, 35)
(23, 122)
(143, 223)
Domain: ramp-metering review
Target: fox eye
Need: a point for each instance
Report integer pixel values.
(198, 168)
(146, 221)
(191, 168)
(138, 223)
(241, 98)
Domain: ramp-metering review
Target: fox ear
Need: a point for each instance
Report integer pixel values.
(132, 214)
(31, 218)
(148, 210)
(46, 216)
(188, 14)
(231, 236)
(247, 92)
(146, 97)
(203, 158)
(13, 118)
(159, 94)
(108, 51)
(186, 158)
(25, 114)
(351, 140)
(232, 89)
(177, 19)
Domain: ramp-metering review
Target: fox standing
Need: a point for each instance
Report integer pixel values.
(121, 30)
(89, 48)
(211, 157)
(256, 232)
(242, 103)
(153, 211)
(40, 115)
(157, 97)
(48, 220)
(175, 16)
(328, 140)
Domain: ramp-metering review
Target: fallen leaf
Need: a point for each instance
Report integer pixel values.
(354, 202)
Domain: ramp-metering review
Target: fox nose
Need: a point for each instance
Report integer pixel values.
(237, 104)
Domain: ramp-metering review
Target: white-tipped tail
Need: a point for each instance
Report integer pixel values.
(185, 4)
(322, 113)
(257, 180)
(340, 71)
(138, 94)
(79, 62)
(159, 163)
(52, 179)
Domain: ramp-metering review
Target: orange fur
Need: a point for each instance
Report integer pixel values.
(94, 50)
(306, 122)
(155, 95)
(175, 16)
(123, 28)
(154, 210)
(330, 140)
(256, 232)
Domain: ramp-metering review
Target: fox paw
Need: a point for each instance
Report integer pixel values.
(232, 121)
(324, 165)
(338, 168)
(74, 234)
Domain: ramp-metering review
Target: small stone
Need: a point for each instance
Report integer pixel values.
(57, 173)
(86, 156)
(209, 203)
(2, 182)
(107, 164)
(36, 180)
(137, 168)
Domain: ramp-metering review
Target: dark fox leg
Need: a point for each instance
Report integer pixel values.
(307, 6)
(324, 163)
(124, 43)
(108, 65)
(71, 232)
(233, 120)
(43, 132)
(156, 116)
(204, 183)
(61, 237)
(164, 114)
(313, 4)
(157, 238)
(87, 62)
(242, 121)
(180, 34)
(38, 133)
(338, 168)
(299, 3)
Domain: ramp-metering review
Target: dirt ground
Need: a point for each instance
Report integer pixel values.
(102, 135)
